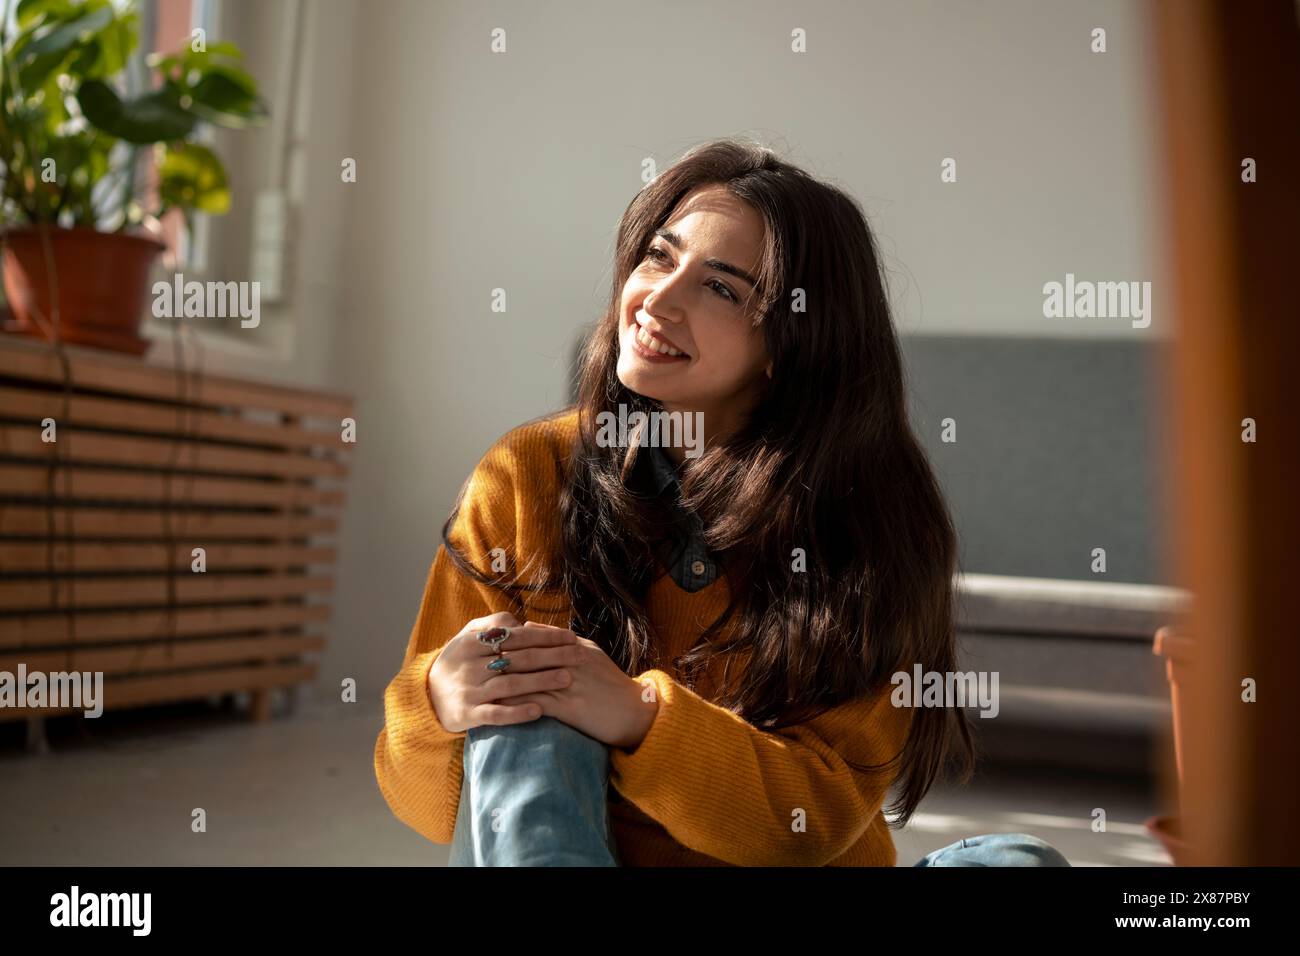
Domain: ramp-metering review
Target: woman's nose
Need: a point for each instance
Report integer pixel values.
(662, 308)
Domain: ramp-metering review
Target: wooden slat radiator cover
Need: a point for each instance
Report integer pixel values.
(172, 530)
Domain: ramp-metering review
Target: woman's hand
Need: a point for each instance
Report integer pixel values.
(466, 694)
(601, 701)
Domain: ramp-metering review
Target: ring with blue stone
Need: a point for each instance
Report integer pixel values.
(500, 664)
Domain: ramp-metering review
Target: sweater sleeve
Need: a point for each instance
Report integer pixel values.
(418, 762)
(748, 797)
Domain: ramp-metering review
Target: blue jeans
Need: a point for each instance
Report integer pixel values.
(996, 849)
(535, 794)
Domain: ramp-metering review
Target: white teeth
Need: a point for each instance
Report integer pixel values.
(654, 345)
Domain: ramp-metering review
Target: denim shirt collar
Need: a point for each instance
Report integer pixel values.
(664, 471)
(687, 553)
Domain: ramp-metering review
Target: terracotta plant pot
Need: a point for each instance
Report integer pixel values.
(1176, 649)
(103, 285)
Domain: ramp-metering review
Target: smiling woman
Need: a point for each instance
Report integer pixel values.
(713, 636)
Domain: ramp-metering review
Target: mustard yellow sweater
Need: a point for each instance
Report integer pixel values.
(704, 788)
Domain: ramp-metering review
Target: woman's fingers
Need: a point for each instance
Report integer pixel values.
(522, 636)
(499, 619)
(499, 715)
(511, 685)
(541, 658)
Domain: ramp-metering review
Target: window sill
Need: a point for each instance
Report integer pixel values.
(272, 345)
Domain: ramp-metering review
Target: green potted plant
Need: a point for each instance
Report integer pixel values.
(73, 147)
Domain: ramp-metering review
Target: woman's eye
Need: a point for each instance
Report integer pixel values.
(723, 291)
(658, 255)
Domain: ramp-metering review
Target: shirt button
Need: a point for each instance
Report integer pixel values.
(697, 568)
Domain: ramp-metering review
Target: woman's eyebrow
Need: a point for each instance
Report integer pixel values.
(676, 241)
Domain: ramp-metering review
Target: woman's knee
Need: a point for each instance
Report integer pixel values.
(997, 849)
(1022, 849)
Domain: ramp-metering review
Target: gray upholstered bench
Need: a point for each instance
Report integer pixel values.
(1078, 680)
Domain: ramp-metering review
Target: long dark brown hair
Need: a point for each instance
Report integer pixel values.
(826, 463)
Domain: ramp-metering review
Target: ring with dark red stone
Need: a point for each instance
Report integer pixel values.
(493, 637)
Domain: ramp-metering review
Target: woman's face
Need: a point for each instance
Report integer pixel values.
(689, 293)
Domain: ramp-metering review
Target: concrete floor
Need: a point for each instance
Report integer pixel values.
(300, 791)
